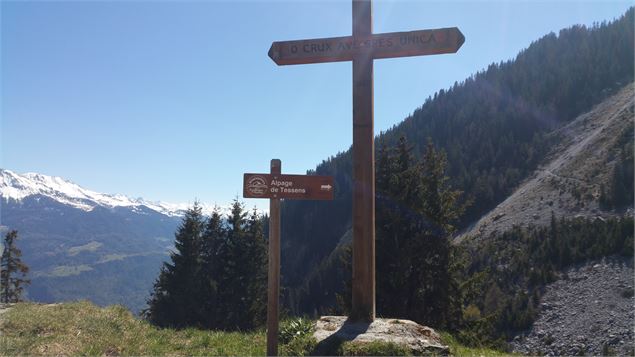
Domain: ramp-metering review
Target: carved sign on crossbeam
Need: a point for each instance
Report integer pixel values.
(362, 48)
(386, 45)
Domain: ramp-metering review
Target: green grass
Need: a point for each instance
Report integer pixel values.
(81, 328)
(457, 349)
(375, 348)
(297, 333)
(89, 247)
(64, 271)
(308, 346)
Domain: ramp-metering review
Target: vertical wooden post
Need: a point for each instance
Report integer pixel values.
(273, 292)
(438, 41)
(363, 171)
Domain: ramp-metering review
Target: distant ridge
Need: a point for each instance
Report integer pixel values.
(82, 244)
(14, 186)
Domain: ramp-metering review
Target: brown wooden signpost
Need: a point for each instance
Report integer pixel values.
(362, 48)
(276, 186)
(295, 187)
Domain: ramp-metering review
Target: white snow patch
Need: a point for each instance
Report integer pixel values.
(14, 186)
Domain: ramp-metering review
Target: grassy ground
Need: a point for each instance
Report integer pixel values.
(457, 349)
(81, 328)
(85, 329)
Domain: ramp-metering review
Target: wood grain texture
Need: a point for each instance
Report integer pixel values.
(376, 46)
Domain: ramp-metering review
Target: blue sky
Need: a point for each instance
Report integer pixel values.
(175, 100)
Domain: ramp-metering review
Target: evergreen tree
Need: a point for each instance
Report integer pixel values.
(217, 274)
(176, 299)
(257, 286)
(622, 178)
(241, 273)
(214, 240)
(514, 266)
(12, 270)
(416, 210)
(232, 278)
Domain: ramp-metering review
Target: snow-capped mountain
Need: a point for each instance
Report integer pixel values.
(82, 244)
(14, 186)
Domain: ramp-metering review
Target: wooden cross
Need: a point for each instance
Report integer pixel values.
(362, 48)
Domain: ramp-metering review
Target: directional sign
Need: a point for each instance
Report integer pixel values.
(276, 186)
(386, 45)
(296, 187)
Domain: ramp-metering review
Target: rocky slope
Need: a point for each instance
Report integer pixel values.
(568, 183)
(590, 311)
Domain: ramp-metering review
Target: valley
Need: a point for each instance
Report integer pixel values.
(83, 245)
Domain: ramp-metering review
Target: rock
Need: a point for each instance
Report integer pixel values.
(585, 313)
(421, 340)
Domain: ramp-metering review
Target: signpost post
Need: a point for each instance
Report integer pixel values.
(362, 48)
(276, 186)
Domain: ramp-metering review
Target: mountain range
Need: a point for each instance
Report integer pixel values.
(15, 186)
(81, 244)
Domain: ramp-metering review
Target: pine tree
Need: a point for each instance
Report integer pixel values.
(257, 286)
(416, 210)
(176, 299)
(12, 270)
(214, 240)
(241, 276)
(232, 277)
(440, 209)
(391, 274)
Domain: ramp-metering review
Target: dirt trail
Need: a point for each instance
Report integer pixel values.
(569, 182)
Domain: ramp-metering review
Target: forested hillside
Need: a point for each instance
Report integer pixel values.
(493, 127)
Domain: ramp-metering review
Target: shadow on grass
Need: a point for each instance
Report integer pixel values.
(332, 345)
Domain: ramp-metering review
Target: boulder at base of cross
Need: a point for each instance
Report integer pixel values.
(333, 331)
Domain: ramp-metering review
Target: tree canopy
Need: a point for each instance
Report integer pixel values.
(12, 270)
(217, 274)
